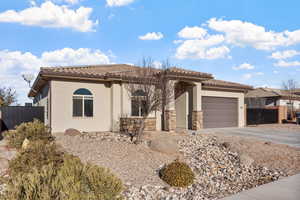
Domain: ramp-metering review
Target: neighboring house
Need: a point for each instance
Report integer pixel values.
(271, 97)
(94, 98)
(297, 91)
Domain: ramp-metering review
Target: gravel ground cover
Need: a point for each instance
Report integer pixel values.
(220, 169)
(273, 156)
(134, 164)
(6, 154)
(224, 165)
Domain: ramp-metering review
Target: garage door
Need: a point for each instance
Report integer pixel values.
(219, 112)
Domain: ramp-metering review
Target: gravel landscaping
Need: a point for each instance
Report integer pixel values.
(224, 165)
(220, 169)
(6, 154)
(273, 156)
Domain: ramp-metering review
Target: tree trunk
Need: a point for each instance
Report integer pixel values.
(141, 131)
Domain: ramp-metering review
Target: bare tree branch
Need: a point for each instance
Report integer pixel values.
(150, 88)
(290, 87)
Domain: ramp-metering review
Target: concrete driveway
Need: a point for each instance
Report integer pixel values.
(280, 136)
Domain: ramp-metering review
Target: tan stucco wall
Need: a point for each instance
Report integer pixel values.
(110, 103)
(62, 108)
(240, 97)
(181, 105)
(42, 99)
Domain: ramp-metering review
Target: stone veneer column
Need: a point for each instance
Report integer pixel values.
(197, 114)
(197, 120)
(170, 120)
(170, 113)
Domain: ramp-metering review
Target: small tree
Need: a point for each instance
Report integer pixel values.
(8, 96)
(290, 87)
(151, 90)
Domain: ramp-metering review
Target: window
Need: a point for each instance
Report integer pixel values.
(83, 103)
(138, 103)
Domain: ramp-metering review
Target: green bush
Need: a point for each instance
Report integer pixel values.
(38, 154)
(33, 131)
(73, 180)
(177, 174)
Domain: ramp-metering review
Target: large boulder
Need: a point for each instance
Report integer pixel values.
(72, 132)
(164, 145)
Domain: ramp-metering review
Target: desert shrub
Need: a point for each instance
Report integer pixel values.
(35, 130)
(38, 154)
(177, 174)
(73, 180)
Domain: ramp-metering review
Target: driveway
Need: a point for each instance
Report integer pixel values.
(281, 136)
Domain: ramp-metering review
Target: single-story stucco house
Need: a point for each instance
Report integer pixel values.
(93, 98)
(270, 97)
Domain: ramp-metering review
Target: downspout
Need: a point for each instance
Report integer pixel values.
(50, 105)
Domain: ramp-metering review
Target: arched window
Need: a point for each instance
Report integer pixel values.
(138, 103)
(83, 103)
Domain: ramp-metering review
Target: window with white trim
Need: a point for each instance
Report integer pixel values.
(83, 103)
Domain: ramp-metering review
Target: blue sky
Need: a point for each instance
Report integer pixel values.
(248, 41)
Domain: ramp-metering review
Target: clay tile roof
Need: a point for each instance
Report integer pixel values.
(176, 70)
(93, 71)
(114, 71)
(261, 92)
(227, 84)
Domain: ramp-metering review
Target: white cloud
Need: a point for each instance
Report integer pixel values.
(206, 48)
(15, 63)
(244, 66)
(247, 76)
(118, 3)
(157, 64)
(284, 54)
(32, 2)
(152, 36)
(251, 75)
(192, 32)
(275, 72)
(259, 73)
(50, 15)
(178, 41)
(72, 2)
(282, 63)
(247, 34)
(68, 56)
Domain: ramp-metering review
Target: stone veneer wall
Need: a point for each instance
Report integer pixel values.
(170, 122)
(197, 120)
(282, 113)
(129, 123)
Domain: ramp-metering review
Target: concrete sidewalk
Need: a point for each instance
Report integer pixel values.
(284, 189)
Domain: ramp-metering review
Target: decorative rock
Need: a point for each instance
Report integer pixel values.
(164, 145)
(219, 173)
(72, 132)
